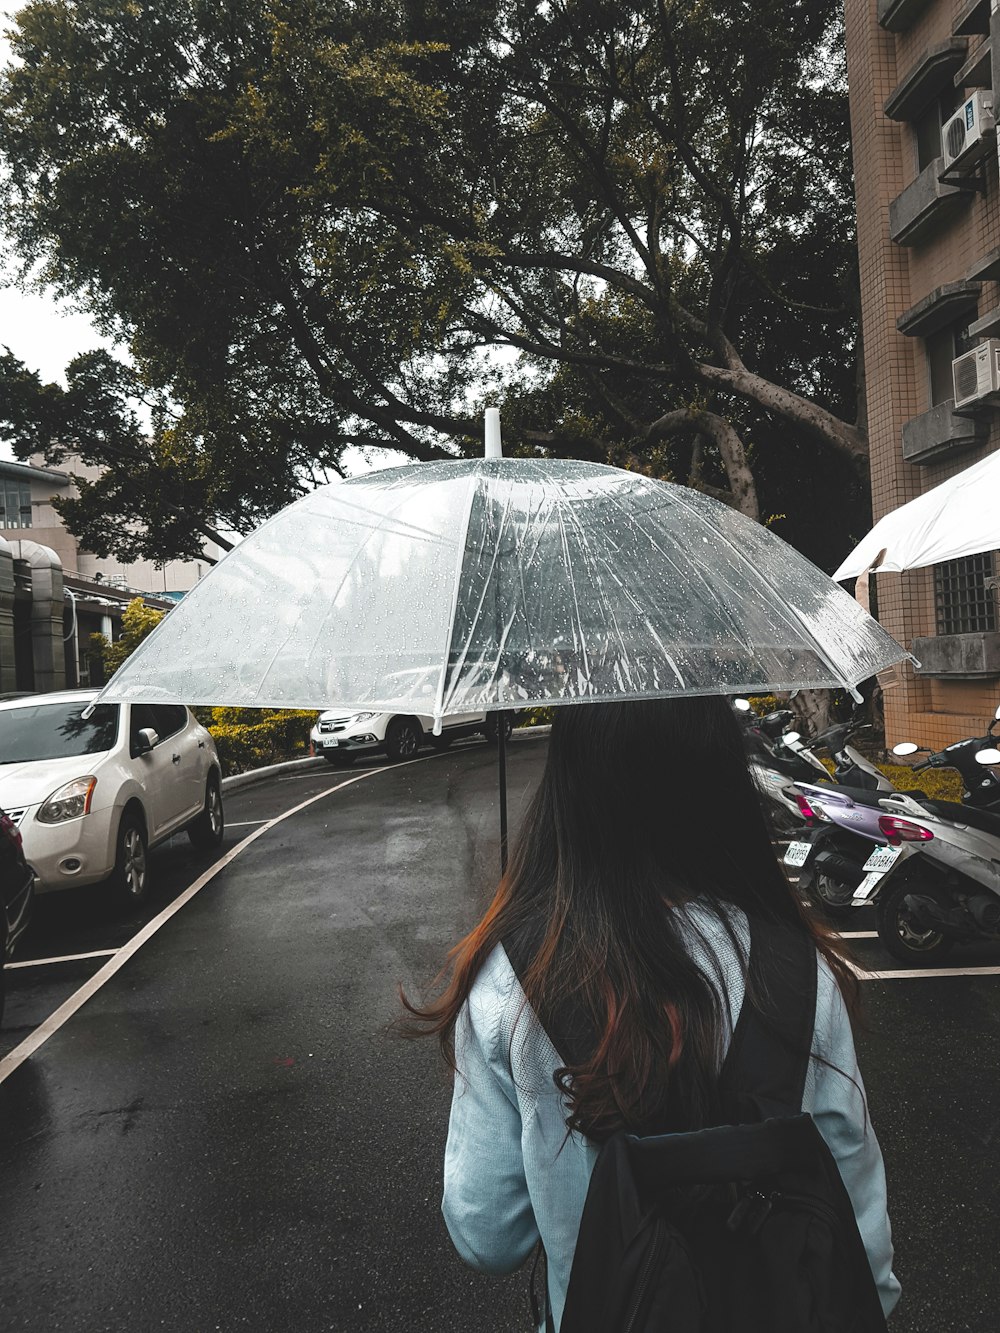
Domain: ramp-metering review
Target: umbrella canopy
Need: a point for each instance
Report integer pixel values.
(959, 517)
(496, 583)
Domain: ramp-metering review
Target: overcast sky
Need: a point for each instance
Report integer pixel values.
(42, 333)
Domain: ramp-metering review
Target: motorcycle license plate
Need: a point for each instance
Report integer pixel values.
(882, 859)
(867, 887)
(329, 742)
(797, 853)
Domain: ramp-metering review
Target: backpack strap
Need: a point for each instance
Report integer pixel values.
(764, 1072)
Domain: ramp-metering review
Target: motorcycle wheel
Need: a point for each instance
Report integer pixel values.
(832, 895)
(901, 936)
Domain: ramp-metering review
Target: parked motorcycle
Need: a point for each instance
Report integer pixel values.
(830, 855)
(934, 872)
(945, 886)
(777, 758)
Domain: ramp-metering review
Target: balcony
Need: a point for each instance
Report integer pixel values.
(898, 15)
(942, 431)
(925, 204)
(974, 18)
(932, 73)
(942, 306)
(977, 72)
(968, 655)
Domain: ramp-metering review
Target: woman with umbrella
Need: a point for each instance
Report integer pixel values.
(626, 904)
(440, 589)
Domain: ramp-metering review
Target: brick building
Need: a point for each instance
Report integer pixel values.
(921, 74)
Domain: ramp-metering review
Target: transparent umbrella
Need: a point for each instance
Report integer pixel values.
(503, 583)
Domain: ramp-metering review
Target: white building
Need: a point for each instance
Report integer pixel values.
(54, 594)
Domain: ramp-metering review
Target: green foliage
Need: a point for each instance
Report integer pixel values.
(534, 717)
(255, 737)
(309, 220)
(138, 621)
(942, 784)
(762, 704)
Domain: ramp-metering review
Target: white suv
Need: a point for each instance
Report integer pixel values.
(91, 795)
(340, 736)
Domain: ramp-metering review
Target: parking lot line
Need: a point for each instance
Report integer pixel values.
(919, 973)
(242, 823)
(63, 958)
(15, 1058)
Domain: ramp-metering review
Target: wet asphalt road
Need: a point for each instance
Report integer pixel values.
(225, 1136)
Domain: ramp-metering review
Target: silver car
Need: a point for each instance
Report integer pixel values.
(91, 795)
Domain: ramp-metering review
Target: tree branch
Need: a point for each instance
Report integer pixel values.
(848, 439)
(742, 491)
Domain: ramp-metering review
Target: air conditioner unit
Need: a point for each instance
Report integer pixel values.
(965, 137)
(976, 374)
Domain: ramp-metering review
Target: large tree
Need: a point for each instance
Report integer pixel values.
(319, 223)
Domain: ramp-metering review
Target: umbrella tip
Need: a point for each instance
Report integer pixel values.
(493, 447)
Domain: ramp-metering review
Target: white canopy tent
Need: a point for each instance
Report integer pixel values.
(959, 517)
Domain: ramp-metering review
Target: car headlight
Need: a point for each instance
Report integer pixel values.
(363, 717)
(69, 802)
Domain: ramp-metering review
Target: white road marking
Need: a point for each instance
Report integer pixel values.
(63, 958)
(858, 934)
(242, 823)
(919, 973)
(15, 1058)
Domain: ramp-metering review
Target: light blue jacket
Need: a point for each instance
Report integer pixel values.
(512, 1176)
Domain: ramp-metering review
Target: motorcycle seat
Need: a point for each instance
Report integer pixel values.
(860, 795)
(983, 820)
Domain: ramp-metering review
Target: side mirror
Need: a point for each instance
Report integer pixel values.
(988, 757)
(145, 740)
(743, 706)
(905, 747)
(996, 715)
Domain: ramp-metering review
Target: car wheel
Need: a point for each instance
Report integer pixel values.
(900, 933)
(491, 729)
(339, 758)
(129, 881)
(402, 738)
(208, 829)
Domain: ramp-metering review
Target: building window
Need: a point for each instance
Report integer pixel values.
(927, 127)
(942, 346)
(965, 595)
(15, 503)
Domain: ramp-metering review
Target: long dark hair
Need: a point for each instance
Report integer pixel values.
(643, 808)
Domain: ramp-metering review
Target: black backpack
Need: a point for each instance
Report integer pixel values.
(744, 1228)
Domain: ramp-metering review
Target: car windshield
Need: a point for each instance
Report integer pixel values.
(56, 731)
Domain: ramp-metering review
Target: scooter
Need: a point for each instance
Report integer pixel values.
(934, 874)
(830, 856)
(776, 759)
(945, 887)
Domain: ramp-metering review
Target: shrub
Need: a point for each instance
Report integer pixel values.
(255, 737)
(762, 704)
(534, 717)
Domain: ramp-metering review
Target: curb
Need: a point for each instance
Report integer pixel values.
(317, 761)
(272, 770)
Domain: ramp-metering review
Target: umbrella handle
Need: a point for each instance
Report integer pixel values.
(502, 762)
